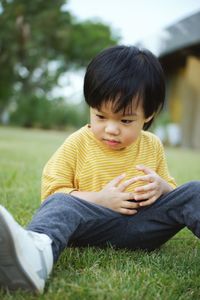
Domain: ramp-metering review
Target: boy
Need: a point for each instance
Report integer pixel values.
(109, 182)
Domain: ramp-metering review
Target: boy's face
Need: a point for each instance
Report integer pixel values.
(117, 130)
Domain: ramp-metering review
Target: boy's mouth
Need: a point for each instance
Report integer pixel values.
(111, 142)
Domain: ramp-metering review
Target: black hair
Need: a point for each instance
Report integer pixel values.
(124, 75)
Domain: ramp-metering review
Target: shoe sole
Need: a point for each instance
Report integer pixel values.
(12, 274)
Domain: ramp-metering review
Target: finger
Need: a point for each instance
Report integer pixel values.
(144, 188)
(125, 211)
(144, 169)
(126, 183)
(127, 196)
(146, 178)
(116, 180)
(145, 196)
(149, 201)
(130, 204)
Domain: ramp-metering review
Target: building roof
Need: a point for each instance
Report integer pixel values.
(184, 34)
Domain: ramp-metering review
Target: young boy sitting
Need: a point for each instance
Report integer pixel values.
(109, 182)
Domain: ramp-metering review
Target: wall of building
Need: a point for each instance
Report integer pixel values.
(183, 86)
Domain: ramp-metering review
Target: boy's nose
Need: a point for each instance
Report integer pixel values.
(112, 129)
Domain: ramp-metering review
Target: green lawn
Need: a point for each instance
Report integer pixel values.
(171, 273)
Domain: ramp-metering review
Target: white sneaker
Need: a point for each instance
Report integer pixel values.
(26, 257)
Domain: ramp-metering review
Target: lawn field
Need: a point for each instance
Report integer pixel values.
(171, 273)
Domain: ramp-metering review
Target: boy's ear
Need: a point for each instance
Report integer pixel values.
(149, 118)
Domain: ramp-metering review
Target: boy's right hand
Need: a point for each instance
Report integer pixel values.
(113, 196)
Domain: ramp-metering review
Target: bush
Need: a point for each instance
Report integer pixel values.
(48, 114)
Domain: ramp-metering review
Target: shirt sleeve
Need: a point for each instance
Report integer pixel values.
(162, 167)
(58, 173)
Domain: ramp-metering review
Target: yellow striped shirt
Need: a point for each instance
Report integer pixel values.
(84, 163)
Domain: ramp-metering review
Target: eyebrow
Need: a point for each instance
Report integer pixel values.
(129, 115)
(123, 114)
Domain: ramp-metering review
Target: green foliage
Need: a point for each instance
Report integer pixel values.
(87, 39)
(39, 112)
(34, 34)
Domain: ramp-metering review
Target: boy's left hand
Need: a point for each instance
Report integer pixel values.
(154, 188)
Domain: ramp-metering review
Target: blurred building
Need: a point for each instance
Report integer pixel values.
(178, 48)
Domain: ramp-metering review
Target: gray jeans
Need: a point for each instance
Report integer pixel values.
(68, 220)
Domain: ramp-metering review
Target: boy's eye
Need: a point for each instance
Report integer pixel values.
(126, 121)
(100, 116)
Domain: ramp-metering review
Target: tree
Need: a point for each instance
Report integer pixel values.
(33, 36)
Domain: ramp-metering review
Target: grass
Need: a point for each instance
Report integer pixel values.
(171, 273)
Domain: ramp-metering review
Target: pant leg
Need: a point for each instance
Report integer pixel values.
(67, 219)
(152, 226)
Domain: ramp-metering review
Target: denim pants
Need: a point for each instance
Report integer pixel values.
(68, 220)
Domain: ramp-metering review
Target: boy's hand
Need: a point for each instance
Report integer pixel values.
(154, 188)
(113, 196)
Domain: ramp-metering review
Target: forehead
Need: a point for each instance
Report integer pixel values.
(131, 109)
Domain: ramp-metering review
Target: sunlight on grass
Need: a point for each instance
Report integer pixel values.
(171, 273)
